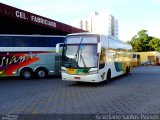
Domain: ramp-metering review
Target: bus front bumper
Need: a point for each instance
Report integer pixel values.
(82, 78)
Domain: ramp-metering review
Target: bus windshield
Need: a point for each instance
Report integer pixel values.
(80, 56)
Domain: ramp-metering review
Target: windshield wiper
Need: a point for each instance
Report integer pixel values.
(77, 55)
(81, 57)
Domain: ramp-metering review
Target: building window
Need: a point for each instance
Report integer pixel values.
(86, 25)
(81, 24)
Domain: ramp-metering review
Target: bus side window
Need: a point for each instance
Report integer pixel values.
(23, 42)
(43, 42)
(55, 40)
(6, 41)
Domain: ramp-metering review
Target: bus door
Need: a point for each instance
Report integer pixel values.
(57, 64)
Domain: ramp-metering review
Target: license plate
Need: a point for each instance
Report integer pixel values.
(77, 78)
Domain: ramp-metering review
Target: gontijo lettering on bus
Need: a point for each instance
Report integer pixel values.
(34, 18)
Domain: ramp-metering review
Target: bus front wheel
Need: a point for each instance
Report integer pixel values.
(108, 76)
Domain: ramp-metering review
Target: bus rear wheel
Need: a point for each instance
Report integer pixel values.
(127, 70)
(41, 73)
(26, 73)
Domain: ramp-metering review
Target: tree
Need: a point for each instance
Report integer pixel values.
(155, 44)
(140, 42)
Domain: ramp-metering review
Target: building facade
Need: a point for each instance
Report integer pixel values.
(103, 22)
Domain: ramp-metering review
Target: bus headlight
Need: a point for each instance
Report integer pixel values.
(63, 71)
(93, 72)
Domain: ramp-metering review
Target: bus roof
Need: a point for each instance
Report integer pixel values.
(84, 33)
(34, 35)
(88, 33)
(112, 38)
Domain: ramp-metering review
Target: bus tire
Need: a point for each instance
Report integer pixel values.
(108, 76)
(26, 73)
(41, 72)
(127, 71)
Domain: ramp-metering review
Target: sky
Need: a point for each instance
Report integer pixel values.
(132, 15)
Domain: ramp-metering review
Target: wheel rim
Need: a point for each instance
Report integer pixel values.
(27, 74)
(41, 73)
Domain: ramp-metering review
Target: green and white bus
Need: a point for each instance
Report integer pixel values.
(29, 55)
(89, 57)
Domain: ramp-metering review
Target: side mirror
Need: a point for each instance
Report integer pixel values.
(58, 47)
(99, 48)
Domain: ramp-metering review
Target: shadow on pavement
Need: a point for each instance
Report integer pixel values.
(103, 83)
(34, 78)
